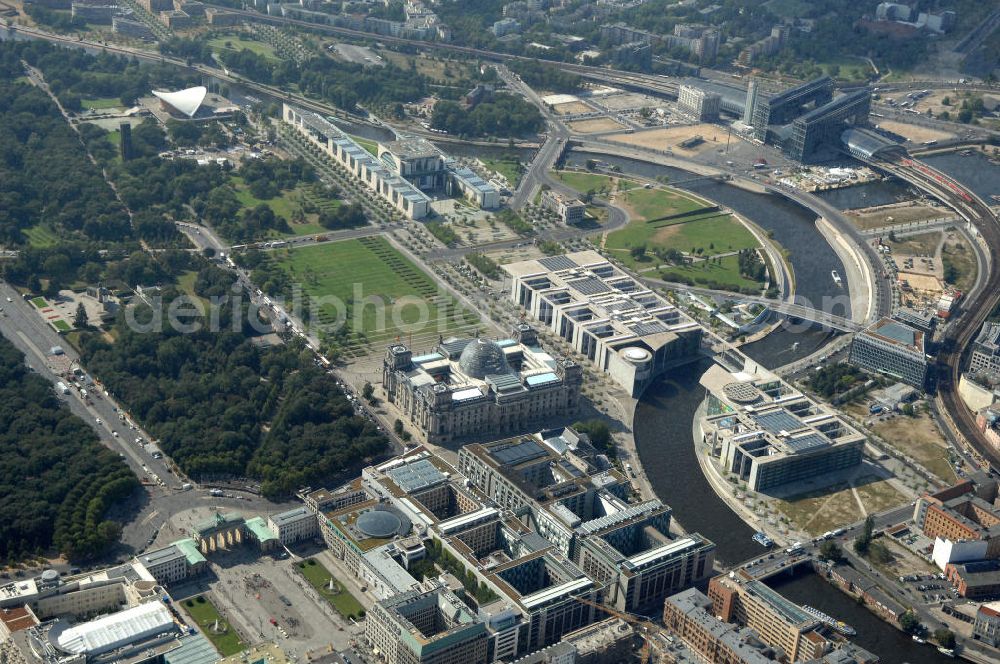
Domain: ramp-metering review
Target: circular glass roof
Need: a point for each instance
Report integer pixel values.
(481, 358)
(378, 523)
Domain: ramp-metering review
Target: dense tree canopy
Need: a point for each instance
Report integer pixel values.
(56, 480)
(506, 116)
(45, 176)
(221, 405)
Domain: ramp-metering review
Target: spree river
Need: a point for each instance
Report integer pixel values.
(664, 416)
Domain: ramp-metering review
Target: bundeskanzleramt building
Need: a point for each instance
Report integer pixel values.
(401, 193)
(627, 330)
(480, 387)
(892, 348)
(426, 627)
(768, 434)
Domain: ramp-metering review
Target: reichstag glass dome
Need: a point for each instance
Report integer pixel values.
(483, 357)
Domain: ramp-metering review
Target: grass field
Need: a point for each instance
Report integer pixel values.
(438, 70)
(286, 204)
(959, 257)
(369, 268)
(319, 577)
(115, 138)
(61, 325)
(924, 244)
(225, 640)
(101, 103)
(39, 302)
(713, 234)
(236, 44)
(583, 182)
(367, 144)
(280, 205)
(825, 509)
(918, 437)
(649, 204)
(510, 168)
(726, 273)
(41, 236)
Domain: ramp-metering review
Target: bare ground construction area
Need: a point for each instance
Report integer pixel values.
(671, 138)
(594, 126)
(894, 215)
(915, 133)
(571, 108)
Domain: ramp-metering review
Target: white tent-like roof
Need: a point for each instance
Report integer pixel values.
(116, 630)
(185, 101)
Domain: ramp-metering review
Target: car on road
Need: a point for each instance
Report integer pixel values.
(98, 420)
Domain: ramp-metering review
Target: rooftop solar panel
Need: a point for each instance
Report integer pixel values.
(590, 286)
(415, 476)
(526, 450)
(810, 442)
(780, 420)
(654, 327)
(554, 263)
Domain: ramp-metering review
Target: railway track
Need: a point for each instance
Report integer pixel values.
(973, 312)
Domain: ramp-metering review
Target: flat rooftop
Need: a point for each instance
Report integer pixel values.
(897, 334)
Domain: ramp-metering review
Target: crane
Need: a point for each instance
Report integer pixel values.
(642, 625)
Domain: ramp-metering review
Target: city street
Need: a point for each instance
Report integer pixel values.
(143, 517)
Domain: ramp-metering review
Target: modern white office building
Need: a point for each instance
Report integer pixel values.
(400, 192)
(891, 348)
(768, 434)
(630, 332)
(700, 104)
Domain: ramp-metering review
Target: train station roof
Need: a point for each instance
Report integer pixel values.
(867, 144)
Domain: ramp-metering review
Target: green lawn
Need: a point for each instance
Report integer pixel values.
(39, 302)
(648, 204)
(711, 274)
(584, 182)
(285, 205)
(115, 138)
(101, 103)
(712, 233)
(367, 144)
(205, 615)
(319, 577)
(234, 43)
(281, 205)
(371, 268)
(61, 325)
(510, 168)
(41, 236)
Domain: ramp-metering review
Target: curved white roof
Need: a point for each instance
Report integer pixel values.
(186, 101)
(116, 630)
